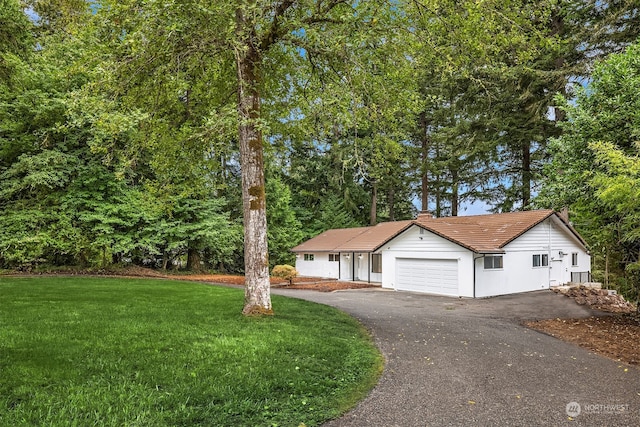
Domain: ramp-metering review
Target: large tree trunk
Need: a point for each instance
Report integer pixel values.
(257, 300)
(454, 193)
(165, 260)
(438, 187)
(391, 200)
(193, 260)
(557, 28)
(526, 175)
(374, 203)
(424, 137)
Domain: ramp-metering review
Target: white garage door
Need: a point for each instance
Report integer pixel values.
(437, 276)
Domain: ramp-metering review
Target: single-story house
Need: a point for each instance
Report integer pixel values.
(465, 256)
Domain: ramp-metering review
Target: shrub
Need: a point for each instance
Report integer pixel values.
(285, 271)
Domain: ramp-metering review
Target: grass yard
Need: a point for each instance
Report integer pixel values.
(139, 352)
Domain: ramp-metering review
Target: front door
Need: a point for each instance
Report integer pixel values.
(557, 269)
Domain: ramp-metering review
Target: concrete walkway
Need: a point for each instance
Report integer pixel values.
(463, 362)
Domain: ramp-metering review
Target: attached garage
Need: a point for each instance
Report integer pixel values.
(474, 256)
(436, 276)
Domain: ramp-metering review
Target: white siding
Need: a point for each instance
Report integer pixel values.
(350, 264)
(562, 246)
(362, 266)
(412, 244)
(346, 270)
(517, 275)
(319, 267)
(550, 237)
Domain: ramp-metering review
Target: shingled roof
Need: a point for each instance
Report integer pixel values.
(361, 239)
(479, 233)
(486, 233)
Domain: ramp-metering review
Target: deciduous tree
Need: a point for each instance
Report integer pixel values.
(595, 167)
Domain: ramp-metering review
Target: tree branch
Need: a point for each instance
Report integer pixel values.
(320, 14)
(275, 32)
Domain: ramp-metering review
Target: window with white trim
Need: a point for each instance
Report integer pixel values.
(308, 257)
(574, 259)
(334, 257)
(492, 262)
(541, 260)
(376, 263)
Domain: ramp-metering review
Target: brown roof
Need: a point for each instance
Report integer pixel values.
(361, 239)
(330, 240)
(478, 233)
(374, 237)
(485, 233)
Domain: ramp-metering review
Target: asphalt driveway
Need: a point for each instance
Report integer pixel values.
(464, 362)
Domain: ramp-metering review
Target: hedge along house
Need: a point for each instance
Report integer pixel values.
(468, 256)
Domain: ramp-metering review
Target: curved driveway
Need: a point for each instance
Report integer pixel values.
(464, 362)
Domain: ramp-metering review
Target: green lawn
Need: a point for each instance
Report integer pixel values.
(127, 352)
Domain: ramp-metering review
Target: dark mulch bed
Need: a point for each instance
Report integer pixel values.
(616, 336)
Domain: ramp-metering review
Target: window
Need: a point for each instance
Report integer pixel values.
(492, 261)
(308, 257)
(541, 260)
(376, 263)
(334, 257)
(574, 259)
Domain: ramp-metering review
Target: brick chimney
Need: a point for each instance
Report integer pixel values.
(424, 215)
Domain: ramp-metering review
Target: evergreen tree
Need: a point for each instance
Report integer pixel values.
(285, 231)
(595, 168)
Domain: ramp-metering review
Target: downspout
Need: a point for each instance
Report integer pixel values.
(474, 272)
(339, 265)
(369, 267)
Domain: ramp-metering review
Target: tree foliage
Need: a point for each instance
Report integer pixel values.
(78, 189)
(595, 167)
(15, 37)
(142, 131)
